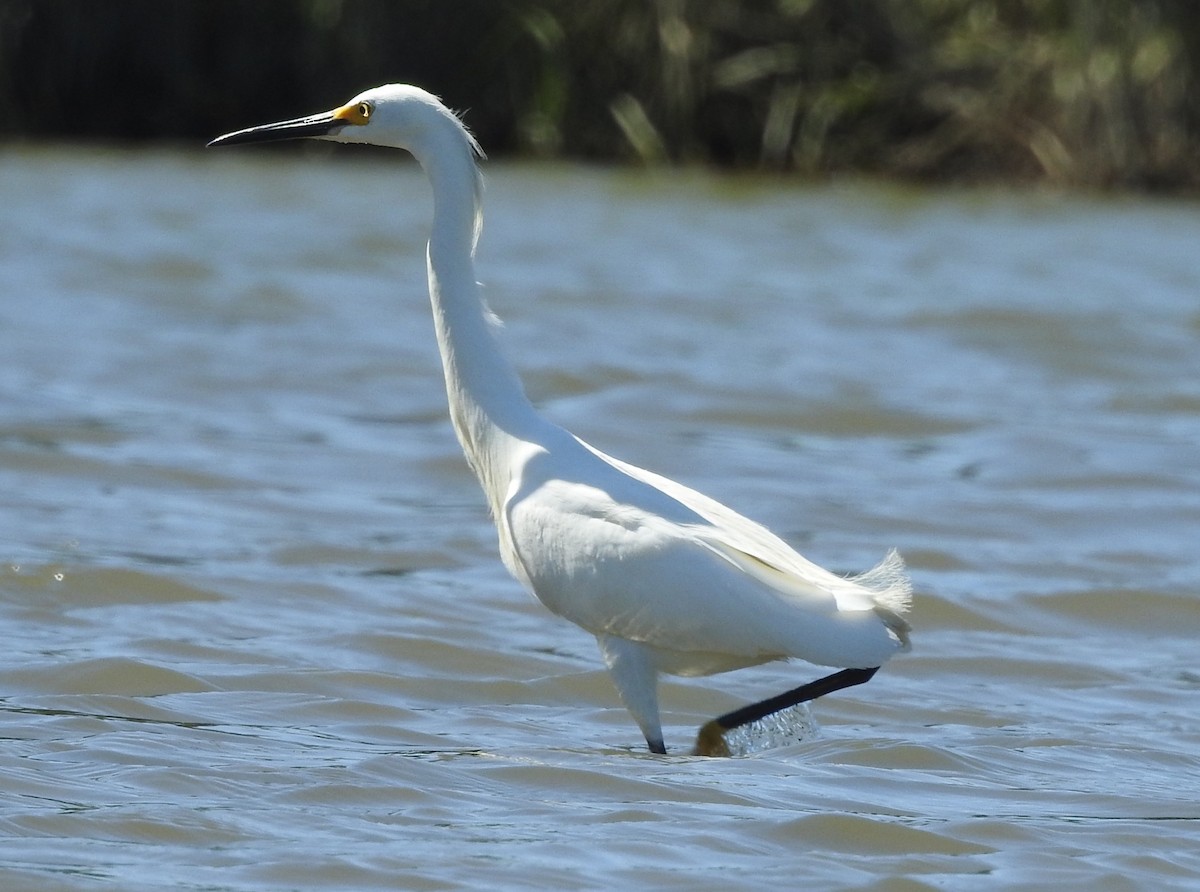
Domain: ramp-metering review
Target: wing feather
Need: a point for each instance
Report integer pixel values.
(625, 552)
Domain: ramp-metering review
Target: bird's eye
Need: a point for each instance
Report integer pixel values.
(365, 109)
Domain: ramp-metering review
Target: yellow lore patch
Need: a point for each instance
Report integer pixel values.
(355, 113)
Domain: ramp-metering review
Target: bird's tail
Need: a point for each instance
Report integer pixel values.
(891, 589)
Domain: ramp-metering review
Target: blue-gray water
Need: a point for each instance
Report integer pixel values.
(257, 637)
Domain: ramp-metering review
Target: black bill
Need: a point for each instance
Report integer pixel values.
(313, 125)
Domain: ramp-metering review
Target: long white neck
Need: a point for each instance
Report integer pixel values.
(491, 414)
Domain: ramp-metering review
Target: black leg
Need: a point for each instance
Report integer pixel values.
(711, 740)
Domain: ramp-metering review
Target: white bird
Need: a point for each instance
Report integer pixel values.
(667, 579)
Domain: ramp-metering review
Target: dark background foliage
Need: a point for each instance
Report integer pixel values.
(1082, 92)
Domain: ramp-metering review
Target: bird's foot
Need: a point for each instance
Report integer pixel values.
(711, 740)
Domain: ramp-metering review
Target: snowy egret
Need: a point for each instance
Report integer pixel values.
(667, 579)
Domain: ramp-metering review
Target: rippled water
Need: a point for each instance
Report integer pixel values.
(257, 636)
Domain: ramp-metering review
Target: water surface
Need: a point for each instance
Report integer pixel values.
(258, 638)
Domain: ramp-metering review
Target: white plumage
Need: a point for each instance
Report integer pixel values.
(667, 579)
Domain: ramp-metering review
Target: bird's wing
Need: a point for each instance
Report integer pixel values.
(761, 553)
(621, 553)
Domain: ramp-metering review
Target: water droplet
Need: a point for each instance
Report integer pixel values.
(786, 728)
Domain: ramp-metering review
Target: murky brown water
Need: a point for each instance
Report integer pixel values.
(257, 636)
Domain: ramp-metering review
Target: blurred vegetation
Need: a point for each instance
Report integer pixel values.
(1082, 92)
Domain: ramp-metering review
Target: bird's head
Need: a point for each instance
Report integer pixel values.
(402, 117)
(395, 115)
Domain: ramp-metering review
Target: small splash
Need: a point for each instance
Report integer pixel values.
(788, 727)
